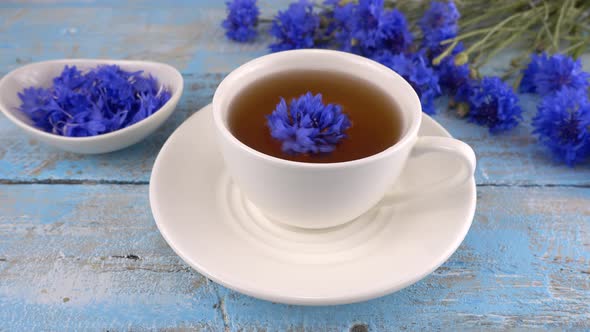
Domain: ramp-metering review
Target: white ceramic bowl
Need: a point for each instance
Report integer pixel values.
(42, 73)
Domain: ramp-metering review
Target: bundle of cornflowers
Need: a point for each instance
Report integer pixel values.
(429, 52)
(96, 102)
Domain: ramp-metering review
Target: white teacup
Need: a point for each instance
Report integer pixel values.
(316, 195)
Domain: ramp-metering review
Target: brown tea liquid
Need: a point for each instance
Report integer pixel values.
(375, 119)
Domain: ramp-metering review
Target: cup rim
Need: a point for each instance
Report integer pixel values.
(408, 136)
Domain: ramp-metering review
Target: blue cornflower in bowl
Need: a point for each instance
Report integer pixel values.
(415, 69)
(492, 103)
(242, 19)
(562, 124)
(295, 28)
(366, 28)
(92, 106)
(102, 100)
(548, 74)
(41, 108)
(307, 125)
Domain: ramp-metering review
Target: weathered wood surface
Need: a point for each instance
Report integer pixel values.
(98, 261)
(79, 248)
(187, 35)
(512, 158)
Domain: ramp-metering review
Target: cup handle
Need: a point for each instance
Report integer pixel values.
(428, 144)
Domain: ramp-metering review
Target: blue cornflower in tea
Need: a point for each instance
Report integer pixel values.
(307, 125)
(492, 103)
(295, 27)
(562, 124)
(415, 69)
(99, 101)
(242, 19)
(547, 74)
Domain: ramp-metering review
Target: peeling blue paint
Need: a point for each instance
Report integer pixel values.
(64, 247)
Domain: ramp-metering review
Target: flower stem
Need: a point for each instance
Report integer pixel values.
(546, 29)
(492, 31)
(508, 41)
(475, 33)
(491, 13)
(564, 6)
(436, 61)
(575, 46)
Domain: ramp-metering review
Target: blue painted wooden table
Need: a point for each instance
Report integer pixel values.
(79, 248)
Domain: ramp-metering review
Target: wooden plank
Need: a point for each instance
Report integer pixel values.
(25, 159)
(193, 41)
(512, 158)
(90, 256)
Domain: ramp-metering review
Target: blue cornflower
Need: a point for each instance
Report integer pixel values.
(295, 27)
(433, 39)
(492, 103)
(527, 83)
(366, 28)
(242, 19)
(308, 125)
(439, 23)
(333, 9)
(70, 78)
(451, 76)
(547, 74)
(40, 106)
(440, 15)
(562, 124)
(102, 100)
(415, 69)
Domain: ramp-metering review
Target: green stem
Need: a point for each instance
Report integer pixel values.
(475, 63)
(517, 83)
(537, 42)
(491, 13)
(507, 42)
(565, 5)
(546, 26)
(444, 54)
(492, 31)
(516, 64)
(474, 33)
(321, 6)
(575, 46)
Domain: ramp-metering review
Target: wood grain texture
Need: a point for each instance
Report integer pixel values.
(99, 262)
(79, 249)
(187, 35)
(507, 159)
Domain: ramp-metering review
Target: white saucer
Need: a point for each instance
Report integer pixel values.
(206, 220)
